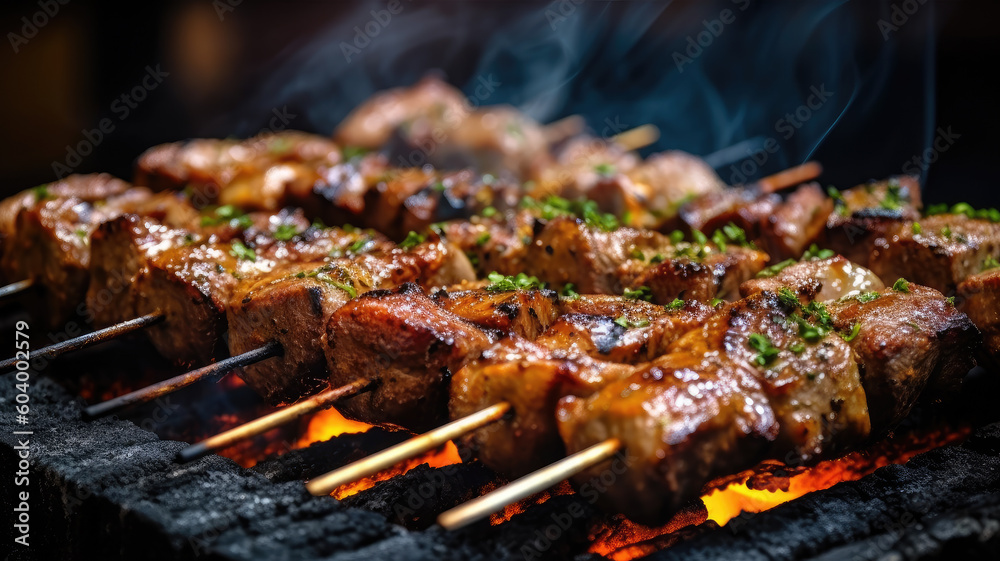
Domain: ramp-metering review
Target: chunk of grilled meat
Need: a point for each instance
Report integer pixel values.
(744, 387)
(796, 223)
(294, 306)
(526, 313)
(494, 244)
(818, 279)
(623, 338)
(256, 173)
(979, 298)
(47, 240)
(941, 253)
(595, 261)
(865, 213)
(909, 341)
(532, 379)
(408, 343)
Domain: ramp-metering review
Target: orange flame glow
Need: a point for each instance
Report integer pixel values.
(327, 424)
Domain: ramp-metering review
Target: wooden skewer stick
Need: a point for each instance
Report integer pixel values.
(327, 483)
(154, 391)
(476, 509)
(15, 287)
(564, 128)
(789, 177)
(639, 137)
(84, 341)
(272, 420)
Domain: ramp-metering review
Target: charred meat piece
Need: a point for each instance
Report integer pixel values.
(939, 251)
(746, 208)
(49, 239)
(700, 274)
(863, 214)
(796, 223)
(526, 313)
(409, 344)
(620, 339)
(493, 244)
(979, 298)
(746, 386)
(532, 379)
(294, 304)
(910, 341)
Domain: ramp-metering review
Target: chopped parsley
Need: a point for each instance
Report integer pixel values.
(766, 351)
(520, 281)
(839, 204)
(797, 347)
(641, 293)
(483, 239)
(674, 304)
(629, 324)
(714, 302)
(285, 232)
(607, 170)
(773, 270)
(676, 237)
(352, 152)
(489, 212)
(636, 253)
(808, 331)
(412, 240)
(569, 291)
(950, 300)
(866, 297)
(901, 285)
(855, 329)
(41, 192)
(552, 207)
(894, 198)
(438, 186)
(227, 213)
(990, 263)
(698, 237)
(991, 214)
(658, 258)
(788, 298)
(361, 245)
(731, 234)
(349, 289)
(917, 230)
(80, 233)
(242, 252)
(946, 232)
(318, 224)
(815, 253)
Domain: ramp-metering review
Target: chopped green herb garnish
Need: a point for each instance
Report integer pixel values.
(815, 253)
(41, 192)
(658, 258)
(950, 300)
(242, 252)
(586, 210)
(629, 324)
(788, 298)
(606, 170)
(352, 152)
(80, 233)
(866, 297)
(676, 237)
(483, 238)
(855, 329)
(731, 234)
(412, 240)
(438, 186)
(990, 263)
(940, 208)
(569, 291)
(698, 237)
(188, 239)
(285, 232)
(901, 285)
(797, 347)
(808, 331)
(946, 232)
(227, 213)
(489, 212)
(839, 204)
(766, 351)
(641, 293)
(893, 197)
(674, 304)
(917, 230)
(520, 281)
(637, 254)
(318, 224)
(361, 245)
(714, 302)
(348, 288)
(776, 268)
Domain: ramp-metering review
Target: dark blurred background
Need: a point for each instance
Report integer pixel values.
(868, 88)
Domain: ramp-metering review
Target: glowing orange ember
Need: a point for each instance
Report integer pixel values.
(327, 424)
(445, 456)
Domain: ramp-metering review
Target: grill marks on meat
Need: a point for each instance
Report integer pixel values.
(526, 313)
(868, 212)
(410, 344)
(709, 408)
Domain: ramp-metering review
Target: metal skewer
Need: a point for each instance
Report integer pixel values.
(272, 420)
(84, 341)
(15, 287)
(327, 483)
(528, 485)
(150, 393)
